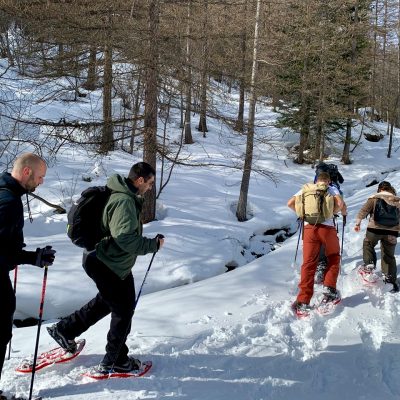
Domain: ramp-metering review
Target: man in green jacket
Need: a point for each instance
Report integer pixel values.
(110, 265)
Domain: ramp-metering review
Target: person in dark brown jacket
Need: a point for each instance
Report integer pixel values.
(384, 226)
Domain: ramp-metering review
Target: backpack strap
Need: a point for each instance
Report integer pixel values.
(320, 201)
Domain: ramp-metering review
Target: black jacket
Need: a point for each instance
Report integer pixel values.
(12, 224)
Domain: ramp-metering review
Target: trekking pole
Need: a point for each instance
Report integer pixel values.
(144, 279)
(341, 246)
(145, 275)
(38, 330)
(301, 223)
(15, 292)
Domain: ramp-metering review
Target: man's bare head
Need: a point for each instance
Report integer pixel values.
(29, 170)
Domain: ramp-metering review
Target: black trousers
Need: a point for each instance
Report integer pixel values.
(7, 310)
(115, 296)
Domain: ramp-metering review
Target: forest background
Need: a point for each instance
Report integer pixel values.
(315, 62)
(194, 88)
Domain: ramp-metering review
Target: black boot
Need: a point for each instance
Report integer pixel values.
(393, 281)
(396, 288)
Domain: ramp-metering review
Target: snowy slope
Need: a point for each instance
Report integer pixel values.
(211, 334)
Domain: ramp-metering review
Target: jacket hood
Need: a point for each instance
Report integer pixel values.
(119, 184)
(390, 198)
(7, 181)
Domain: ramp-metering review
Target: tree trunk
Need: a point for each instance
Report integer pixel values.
(136, 109)
(241, 212)
(60, 60)
(383, 103)
(389, 153)
(239, 125)
(347, 142)
(304, 129)
(9, 52)
(150, 111)
(318, 153)
(396, 110)
(164, 146)
(182, 113)
(373, 67)
(204, 72)
(188, 127)
(107, 139)
(91, 79)
(393, 119)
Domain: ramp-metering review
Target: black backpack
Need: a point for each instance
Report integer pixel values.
(385, 214)
(331, 169)
(84, 217)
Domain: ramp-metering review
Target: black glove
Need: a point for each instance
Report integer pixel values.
(44, 256)
(158, 237)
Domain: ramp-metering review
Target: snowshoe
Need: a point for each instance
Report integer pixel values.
(368, 274)
(301, 310)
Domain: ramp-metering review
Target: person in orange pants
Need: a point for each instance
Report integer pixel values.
(316, 235)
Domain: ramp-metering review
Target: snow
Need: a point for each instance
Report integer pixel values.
(211, 334)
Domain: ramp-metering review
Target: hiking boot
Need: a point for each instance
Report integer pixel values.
(67, 344)
(395, 288)
(393, 281)
(130, 364)
(320, 273)
(331, 295)
(301, 309)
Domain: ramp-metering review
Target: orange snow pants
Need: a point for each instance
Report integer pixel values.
(314, 237)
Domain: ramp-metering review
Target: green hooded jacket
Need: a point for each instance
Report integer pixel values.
(121, 220)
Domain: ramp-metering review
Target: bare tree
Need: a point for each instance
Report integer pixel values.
(188, 83)
(202, 127)
(241, 211)
(151, 106)
(107, 141)
(239, 125)
(91, 79)
(136, 109)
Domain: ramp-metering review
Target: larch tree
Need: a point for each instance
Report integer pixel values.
(241, 211)
(151, 105)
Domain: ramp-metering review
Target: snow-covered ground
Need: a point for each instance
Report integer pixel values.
(211, 334)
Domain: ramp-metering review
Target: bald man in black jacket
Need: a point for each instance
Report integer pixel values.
(28, 173)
